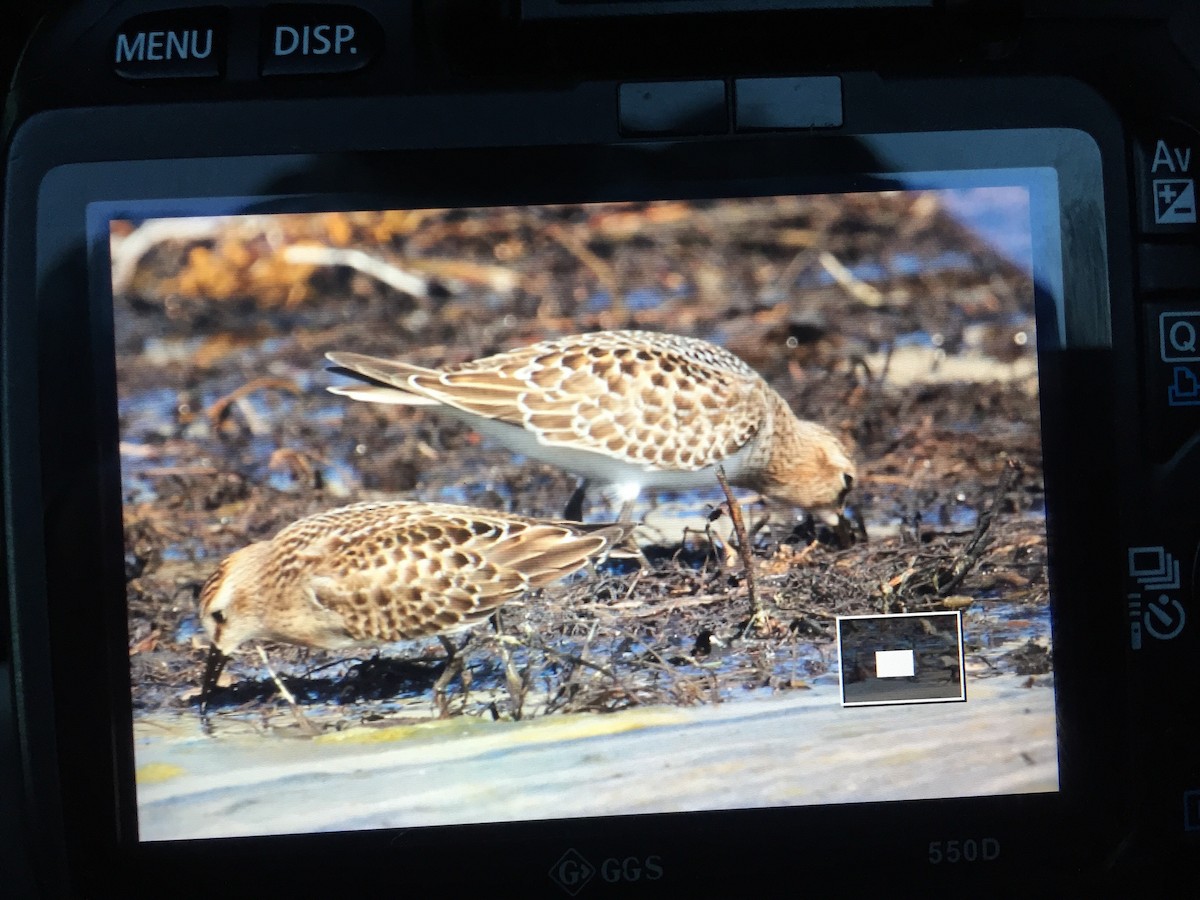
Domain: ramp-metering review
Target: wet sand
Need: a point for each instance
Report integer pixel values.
(794, 748)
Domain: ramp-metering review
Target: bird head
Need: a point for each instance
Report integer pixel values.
(228, 611)
(811, 469)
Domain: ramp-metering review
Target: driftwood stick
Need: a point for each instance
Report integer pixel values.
(305, 725)
(739, 528)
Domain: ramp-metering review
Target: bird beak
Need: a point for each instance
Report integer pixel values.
(847, 483)
(212, 671)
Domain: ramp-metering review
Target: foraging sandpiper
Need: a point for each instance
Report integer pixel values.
(374, 573)
(634, 409)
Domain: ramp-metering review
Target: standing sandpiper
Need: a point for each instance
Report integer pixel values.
(374, 573)
(634, 409)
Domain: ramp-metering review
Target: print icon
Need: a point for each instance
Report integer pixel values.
(1185, 391)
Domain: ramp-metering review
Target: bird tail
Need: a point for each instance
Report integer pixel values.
(553, 555)
(381, 380)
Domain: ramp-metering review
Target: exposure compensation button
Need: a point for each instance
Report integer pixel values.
(317, 40)
(172, 44)
(1166, 161)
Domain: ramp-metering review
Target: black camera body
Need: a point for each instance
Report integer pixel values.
(962, 236)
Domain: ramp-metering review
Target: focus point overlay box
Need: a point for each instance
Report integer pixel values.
(902, 658)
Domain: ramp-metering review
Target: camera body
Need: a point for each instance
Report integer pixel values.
(569, 138)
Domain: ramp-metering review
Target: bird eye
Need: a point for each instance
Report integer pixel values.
(218, 616)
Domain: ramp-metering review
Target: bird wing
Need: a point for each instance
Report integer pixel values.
(660, 401)
(402, 571)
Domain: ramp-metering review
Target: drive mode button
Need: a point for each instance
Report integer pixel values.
(174, 44)
(317, 40)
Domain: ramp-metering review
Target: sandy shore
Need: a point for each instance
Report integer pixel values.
(800, 748)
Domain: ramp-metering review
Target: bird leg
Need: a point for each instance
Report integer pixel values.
(722, 545)
(574, 509)
(843, 532)
(712, 540)
(628, 548)
(454, 666)
(739, 528)
(626, 511)
(853, 527)
(305, 725)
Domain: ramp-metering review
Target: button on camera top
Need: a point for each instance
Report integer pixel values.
(172, 44)
(764, 104)
(673, 108)
(317, 40)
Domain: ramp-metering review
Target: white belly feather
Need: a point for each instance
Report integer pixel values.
(597, 466)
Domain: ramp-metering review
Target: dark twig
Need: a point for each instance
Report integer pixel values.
(739, 528)
(932, 573)
(969, 555)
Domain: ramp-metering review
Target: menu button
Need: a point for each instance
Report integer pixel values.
(175, 44)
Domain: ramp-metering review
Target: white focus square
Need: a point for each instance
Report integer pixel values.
(894, 664)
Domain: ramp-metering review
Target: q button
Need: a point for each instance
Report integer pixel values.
(1171, 385)
(1179, 337)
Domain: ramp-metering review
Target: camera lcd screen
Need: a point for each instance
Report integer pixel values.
(899, 646)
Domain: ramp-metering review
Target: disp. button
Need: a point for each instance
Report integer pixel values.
(317, 40)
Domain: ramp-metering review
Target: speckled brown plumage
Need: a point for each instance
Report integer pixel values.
(632, 408)
(379, 572)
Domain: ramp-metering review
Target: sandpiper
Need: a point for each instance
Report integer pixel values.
(373, 573)
(634, 409)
